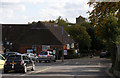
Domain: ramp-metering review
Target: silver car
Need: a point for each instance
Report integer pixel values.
(46, 56)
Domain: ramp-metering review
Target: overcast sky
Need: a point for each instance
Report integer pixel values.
(24, 11)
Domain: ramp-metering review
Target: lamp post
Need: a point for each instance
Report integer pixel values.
(62, 45)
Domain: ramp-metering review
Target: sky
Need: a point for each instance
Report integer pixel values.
(24, 11)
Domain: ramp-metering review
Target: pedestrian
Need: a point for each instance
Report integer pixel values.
(91, 55)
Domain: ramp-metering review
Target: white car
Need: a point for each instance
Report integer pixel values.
(46, 56)
(33, 56)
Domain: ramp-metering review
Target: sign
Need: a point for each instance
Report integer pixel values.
(76, 51)
(54, 51)
(45, 47)
(68, 46)
(29, 51)
(65, 52)
(72, 45)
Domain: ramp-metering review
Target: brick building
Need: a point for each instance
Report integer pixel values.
(37, 37)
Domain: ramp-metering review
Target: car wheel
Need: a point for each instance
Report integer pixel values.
(39, 61)
(49, 61)
(45, 61)
(33, 67)
(25, 69)
(54, 60)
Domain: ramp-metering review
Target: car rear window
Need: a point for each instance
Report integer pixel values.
(43, 53)
(14, 57)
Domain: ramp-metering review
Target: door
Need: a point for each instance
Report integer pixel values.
(2, 61)
(28, 62)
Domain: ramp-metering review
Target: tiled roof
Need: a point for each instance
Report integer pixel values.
(35, 34)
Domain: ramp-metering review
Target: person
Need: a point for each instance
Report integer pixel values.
(91, 55)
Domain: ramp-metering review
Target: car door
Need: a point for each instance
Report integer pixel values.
(2, 61)
(27, 61)
(51, 55)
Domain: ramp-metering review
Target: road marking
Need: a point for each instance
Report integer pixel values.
(28, 73)
(41, 70)
(93, 70)
(77, 63)
(35, 72)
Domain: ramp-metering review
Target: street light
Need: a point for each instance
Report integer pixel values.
(62, 45)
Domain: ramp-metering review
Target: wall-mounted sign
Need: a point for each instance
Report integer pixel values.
(72, 45)
(65, 52)
(76, 51)
(68, 46)
(45, 47)
(54, 51)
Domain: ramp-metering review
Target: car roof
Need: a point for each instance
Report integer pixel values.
(12, 52)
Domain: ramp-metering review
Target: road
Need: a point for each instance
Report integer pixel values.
(71, 68)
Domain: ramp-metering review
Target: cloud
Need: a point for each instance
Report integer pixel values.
(22, 1)
(66, 8)
(22, 11)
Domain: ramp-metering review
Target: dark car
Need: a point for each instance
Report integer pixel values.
(19, 63)
(103, 54)
(9, 53)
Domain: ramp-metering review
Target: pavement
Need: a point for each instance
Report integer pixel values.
(71, 68)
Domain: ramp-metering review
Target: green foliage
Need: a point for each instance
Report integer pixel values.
(60, 21)
(109, 30)
(96, 43)
(34, 22)
(102, 10)
(51, 21)
(85, 24)
(80, 35)
(109, 33)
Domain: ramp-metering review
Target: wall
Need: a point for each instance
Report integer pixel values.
(23, 48)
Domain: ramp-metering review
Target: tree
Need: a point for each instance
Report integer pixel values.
(102, 10)
(60, 21)
(103, 17)
(109, 33)
(96, 43)
(51, 21)
(34, 22)
(80, 35)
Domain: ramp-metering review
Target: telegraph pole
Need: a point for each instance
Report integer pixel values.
(62, 45)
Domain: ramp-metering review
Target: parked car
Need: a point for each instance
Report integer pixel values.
(2, 61)
(103, 54)
(18, 63)
(33, 57)
(46, 56)
(10, 53)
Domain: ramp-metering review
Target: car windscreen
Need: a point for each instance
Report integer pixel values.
(14, 57)
(103, 53)
(9, 54)
(43, 53)
(1, 58)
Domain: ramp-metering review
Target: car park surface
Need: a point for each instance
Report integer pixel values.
(71, 68)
